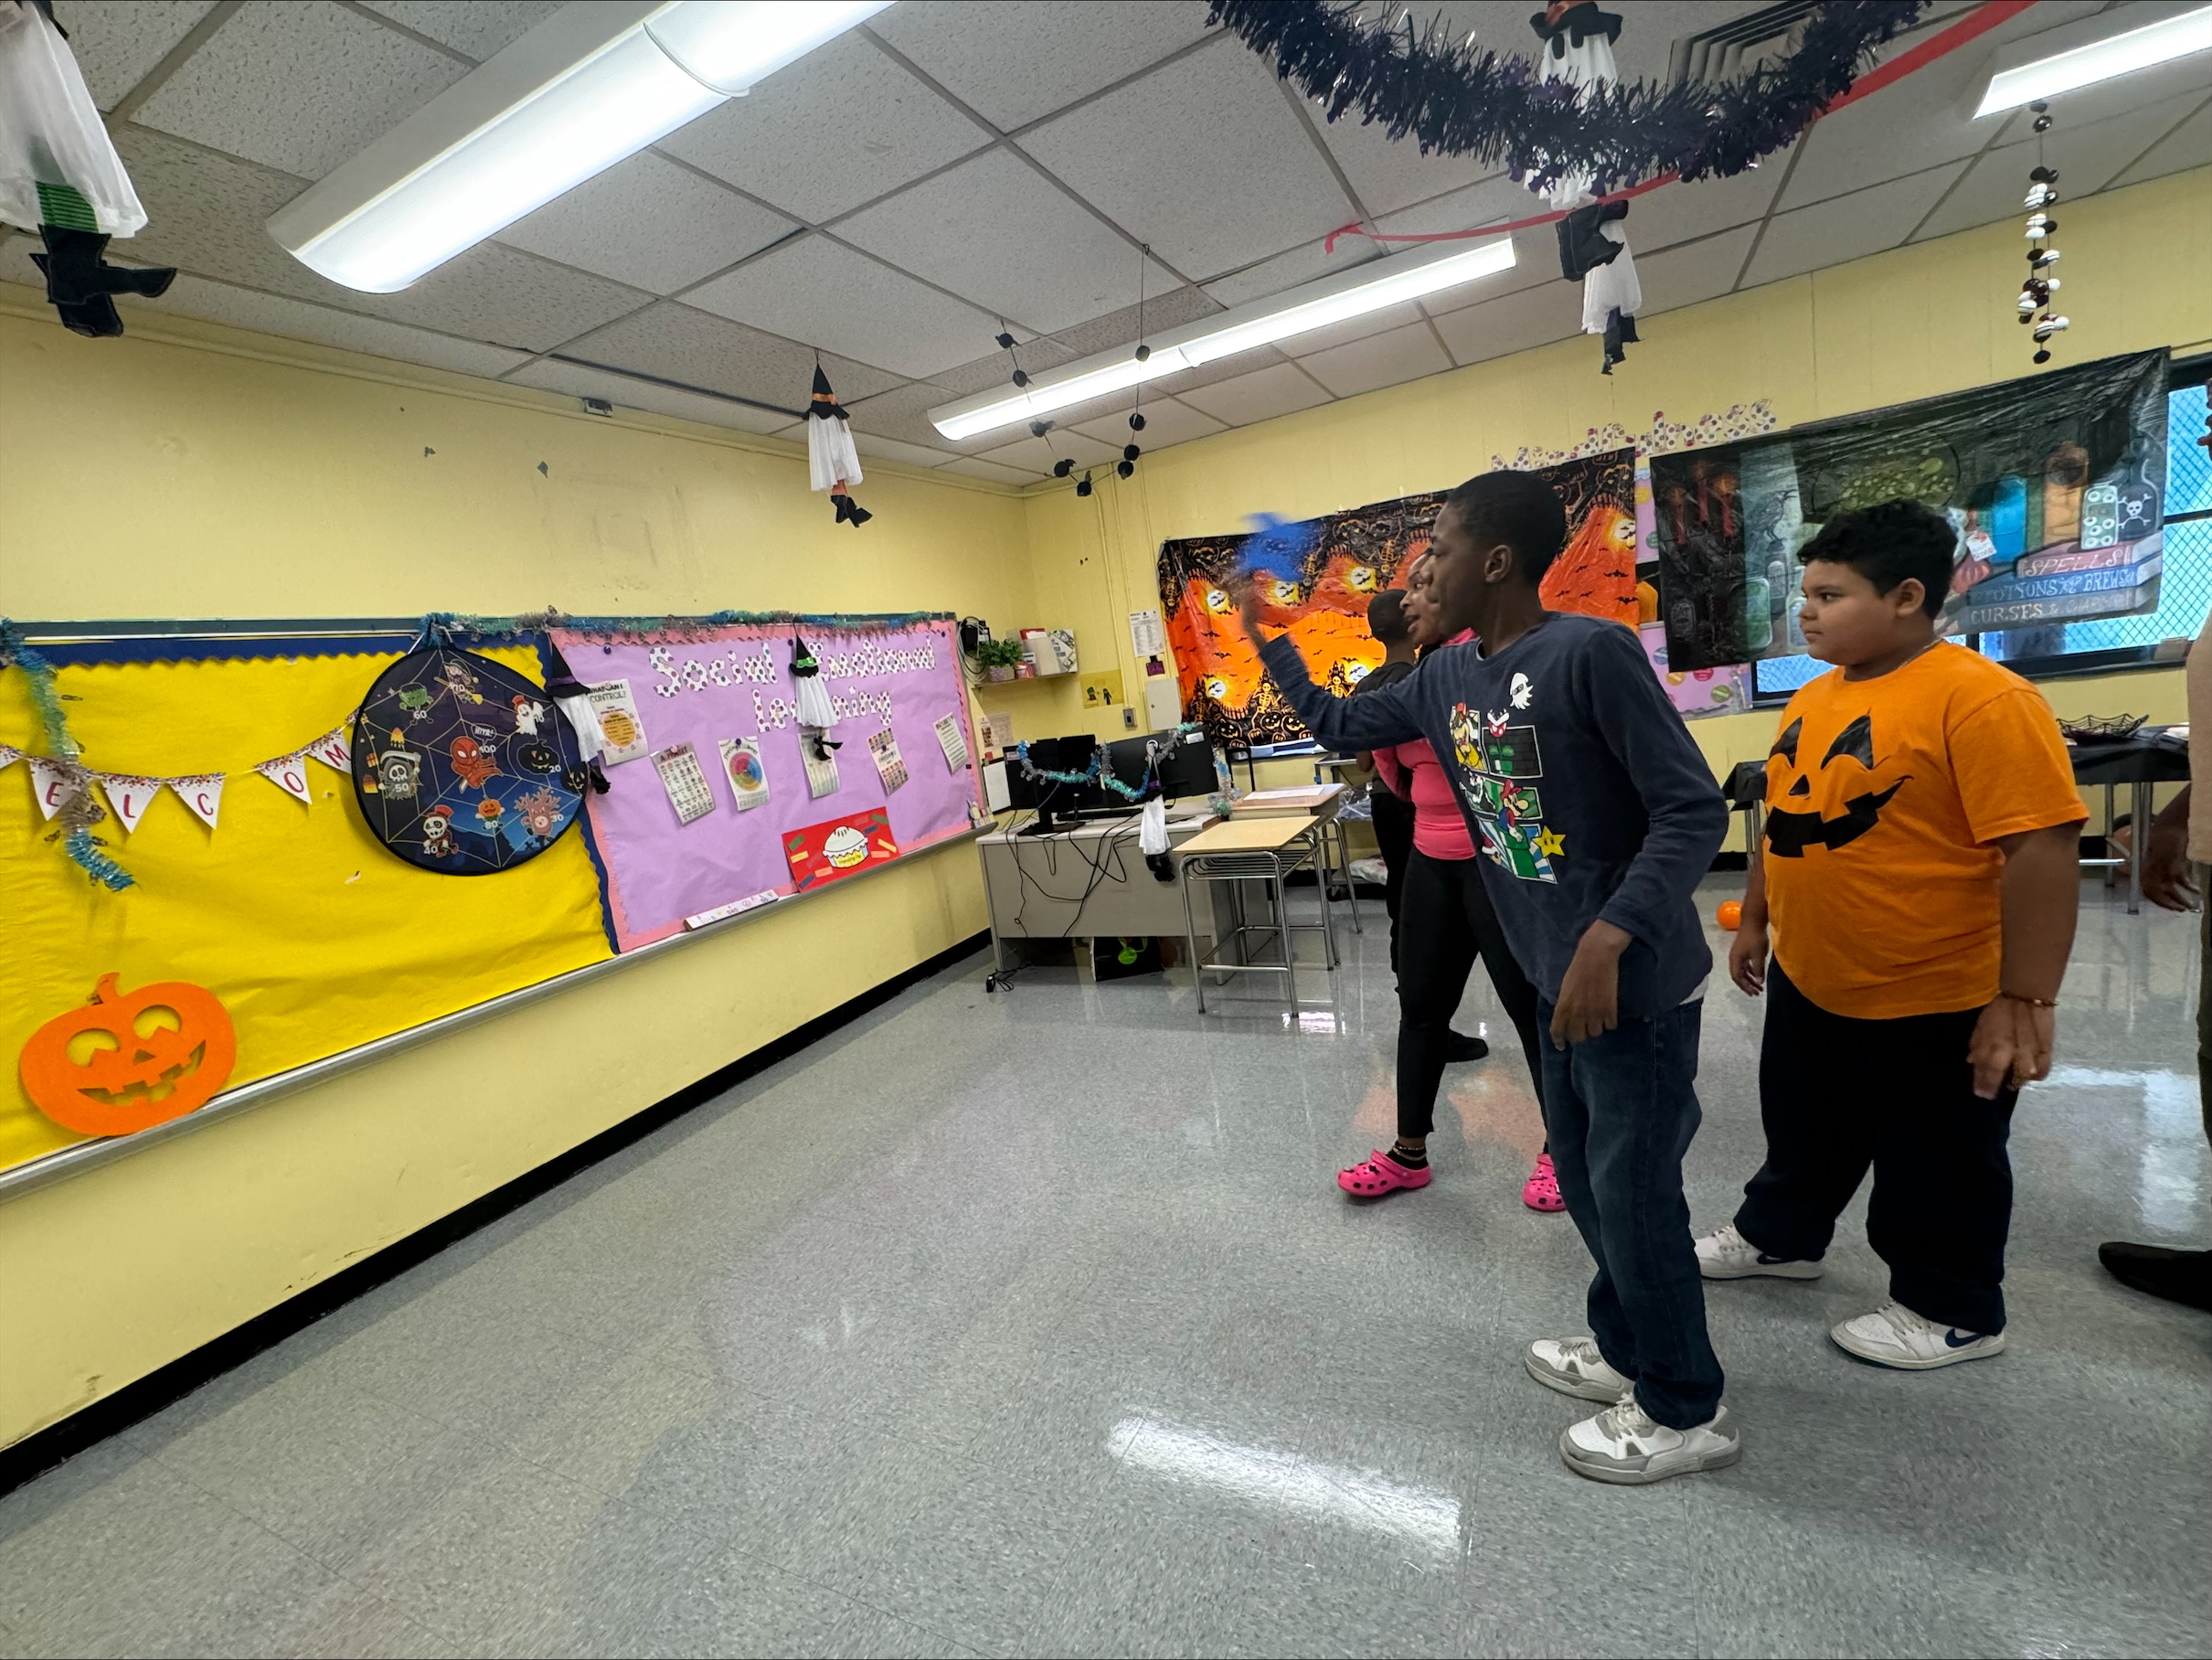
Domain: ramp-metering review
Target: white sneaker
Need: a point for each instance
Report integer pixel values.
(1725, 1254)
(1625, 1446)
(1573, 1366)
(1894, 1336)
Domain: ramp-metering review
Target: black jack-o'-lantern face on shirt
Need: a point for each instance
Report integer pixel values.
(1830, 806)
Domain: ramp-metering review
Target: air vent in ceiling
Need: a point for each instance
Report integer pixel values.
(1719, 53)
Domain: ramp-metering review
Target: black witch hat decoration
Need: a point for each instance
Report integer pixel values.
(833, 464)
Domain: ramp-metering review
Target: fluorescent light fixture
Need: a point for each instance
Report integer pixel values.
(597, 82)
(1331, 299)
(2172, 36)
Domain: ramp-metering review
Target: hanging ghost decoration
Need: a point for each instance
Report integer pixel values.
(833, 464)
(1594, 243)
(815, 707)
(60, 176)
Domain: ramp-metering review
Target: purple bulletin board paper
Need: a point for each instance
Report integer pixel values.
(735, 682)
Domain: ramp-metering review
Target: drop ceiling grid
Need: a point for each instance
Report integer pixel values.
(978, 163)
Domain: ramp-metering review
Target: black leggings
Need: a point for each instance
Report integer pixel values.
(1443, 919)
(1394, 839)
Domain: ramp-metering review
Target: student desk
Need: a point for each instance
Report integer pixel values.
(2142, 763)
(1262, 850)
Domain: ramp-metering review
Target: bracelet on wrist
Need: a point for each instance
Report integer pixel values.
(2031, 1002)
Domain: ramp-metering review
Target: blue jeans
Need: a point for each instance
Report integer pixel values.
(1620, 1110)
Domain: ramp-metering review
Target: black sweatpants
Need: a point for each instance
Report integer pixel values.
(1394, 837)
(1444, 920)
(1837, 1095)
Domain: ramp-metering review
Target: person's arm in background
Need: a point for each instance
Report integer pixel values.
(1345, 725)
(2166, 877)
(1748, 953)
(2012, 1041)
(1686, 820)
(1393, 773)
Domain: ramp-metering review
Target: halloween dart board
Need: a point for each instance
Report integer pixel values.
(462, 766)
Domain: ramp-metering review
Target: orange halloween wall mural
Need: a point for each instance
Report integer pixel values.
(1350, 558)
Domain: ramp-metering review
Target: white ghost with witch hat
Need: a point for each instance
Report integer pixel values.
(60, 173)
(1594, 242)
(833, 464)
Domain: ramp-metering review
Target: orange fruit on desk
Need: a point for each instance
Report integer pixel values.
(1731, 914)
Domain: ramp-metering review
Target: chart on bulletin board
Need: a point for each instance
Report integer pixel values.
(720, 793)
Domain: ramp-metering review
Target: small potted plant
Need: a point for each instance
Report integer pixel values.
(999, 659)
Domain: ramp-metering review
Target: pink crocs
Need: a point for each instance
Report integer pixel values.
(1542, 1193)
(1379, 1173)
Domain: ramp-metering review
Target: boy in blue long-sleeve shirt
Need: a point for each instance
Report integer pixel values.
(1597, 815)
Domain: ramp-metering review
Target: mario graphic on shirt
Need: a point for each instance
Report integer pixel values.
(1497, 760)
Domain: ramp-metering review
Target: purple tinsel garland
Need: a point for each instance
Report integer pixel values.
(1459, 100)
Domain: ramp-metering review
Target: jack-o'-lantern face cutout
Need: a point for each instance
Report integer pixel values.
(1842, 797)
(126, 1062)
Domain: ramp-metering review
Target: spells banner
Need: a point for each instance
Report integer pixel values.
(731, 684)
(2053, 483)
(1351, 557)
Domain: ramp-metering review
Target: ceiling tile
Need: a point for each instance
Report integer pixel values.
(1167, 420)
(118, 42)
(1038, 454)
(1848, 227)
(1684, 213)
(997, 369)
(997, 232)
(672, 342)
(477, 27)
(1390, 174)
(1403, 354)
(650, 223)
(1486, 201)
(875, 447)
(975, 466)
(1020, 59)
(811, 290)
(298, 85)
(2103, 100)
(1924, 118)
(505, 296)
(622, 391)
(2188, 145)
(840, 127)
(1260, 396)
(903, 413)
(2086, 157)
(1202, 159)
(1159, 313)
(300, 320)
(1287, 269)
(1513, 323)
(1356, 328)
(1680, 276)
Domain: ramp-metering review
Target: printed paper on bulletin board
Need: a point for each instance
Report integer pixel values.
(732, 683)
(315, 938)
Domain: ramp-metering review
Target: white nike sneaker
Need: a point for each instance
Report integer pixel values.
(1573, 1366)
(1626, 1446)
(1725, 1254)
(1894, 1336)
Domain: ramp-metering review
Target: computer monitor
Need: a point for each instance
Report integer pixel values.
(1186, 765)
(1053, 802)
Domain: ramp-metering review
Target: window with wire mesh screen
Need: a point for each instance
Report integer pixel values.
(2185, 591)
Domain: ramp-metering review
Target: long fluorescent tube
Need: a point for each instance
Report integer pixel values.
(597, 82)
(1261, 322)
(2154, 43)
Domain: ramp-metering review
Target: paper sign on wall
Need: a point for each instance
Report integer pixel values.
(1147, 633)
(686, 782)
(748, 778)
(822, 853)
(621, 731)
(203, 792)
(821, 767)
(952, 742)
(889, 764)
(334, 749)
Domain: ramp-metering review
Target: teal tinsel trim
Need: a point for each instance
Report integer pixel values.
(1097, 772)
(80, 843)
(438, 625)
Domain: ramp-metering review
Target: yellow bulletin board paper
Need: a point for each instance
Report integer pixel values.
(315, 938)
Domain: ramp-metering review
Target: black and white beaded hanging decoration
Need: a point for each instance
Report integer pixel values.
(2036, 309)
(1129, 451)
(1061, 466)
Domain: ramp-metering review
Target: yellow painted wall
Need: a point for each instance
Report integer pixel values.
(194, 471)
(1909, 323)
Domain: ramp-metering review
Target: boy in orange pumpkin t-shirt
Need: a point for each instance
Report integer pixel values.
(1918, 871)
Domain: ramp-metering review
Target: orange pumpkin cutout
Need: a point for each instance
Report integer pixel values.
(110, 1068)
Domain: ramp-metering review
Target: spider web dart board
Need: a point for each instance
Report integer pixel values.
(462, 765)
